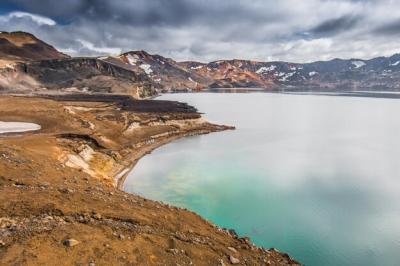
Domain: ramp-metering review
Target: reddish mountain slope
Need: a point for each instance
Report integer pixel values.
(22, 46)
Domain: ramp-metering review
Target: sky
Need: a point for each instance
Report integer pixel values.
(208, 30)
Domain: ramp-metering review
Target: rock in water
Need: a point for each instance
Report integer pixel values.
(70, 242)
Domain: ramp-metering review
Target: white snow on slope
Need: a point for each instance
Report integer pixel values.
(146, 68)
(312, 73)
(358, 64)
(286, 76)
(395, 64)
(132, 59)
(266, 69)
(14, 127)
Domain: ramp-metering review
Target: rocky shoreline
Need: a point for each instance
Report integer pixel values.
(60, 197)
(121, 177)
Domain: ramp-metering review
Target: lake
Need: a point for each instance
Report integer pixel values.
(317, 177)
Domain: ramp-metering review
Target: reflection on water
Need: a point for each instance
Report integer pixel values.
(315, 176)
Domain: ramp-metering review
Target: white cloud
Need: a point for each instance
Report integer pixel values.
(101, 50)
(40, 20)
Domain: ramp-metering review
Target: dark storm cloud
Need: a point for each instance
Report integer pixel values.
(335, 25)
(149, 13)
(210, 29)
(392, 28)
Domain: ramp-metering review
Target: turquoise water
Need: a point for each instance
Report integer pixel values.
(315, 176)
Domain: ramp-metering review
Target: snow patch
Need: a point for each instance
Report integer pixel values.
(395, 64)
(196, 67)
(132, 59)
(17, 127)
(146, 68)
(312, 73)
(285, 77)
(358, 64)
(266, 69)
(280, 74)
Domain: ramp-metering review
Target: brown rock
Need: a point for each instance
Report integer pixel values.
(171, 243)
(234, 260)
(70, 242)
(232, 249)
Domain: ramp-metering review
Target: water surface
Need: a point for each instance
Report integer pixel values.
(315, 176)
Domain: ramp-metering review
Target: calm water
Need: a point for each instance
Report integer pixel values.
(315, 176)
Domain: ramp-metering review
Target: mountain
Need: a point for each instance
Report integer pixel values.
(89, 75)
(337, 74)
(28, 65)
(353, 74)
(21, 46)
(164, 72)
(230, 73)
(38, 66)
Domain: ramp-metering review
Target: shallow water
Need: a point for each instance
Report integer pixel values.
(315, 176)
(17, 127)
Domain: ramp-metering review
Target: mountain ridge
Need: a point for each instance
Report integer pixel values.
(336, 74)
(158, 73)
(21, 46)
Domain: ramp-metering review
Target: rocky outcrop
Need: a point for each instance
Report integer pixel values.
(85, 75)
(88, 75)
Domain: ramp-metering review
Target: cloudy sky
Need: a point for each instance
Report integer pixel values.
(206, 30)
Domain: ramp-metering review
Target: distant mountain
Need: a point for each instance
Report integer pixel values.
(354, 74)
(42, 67)
(230, 74)
(21, 46)
(164, 72)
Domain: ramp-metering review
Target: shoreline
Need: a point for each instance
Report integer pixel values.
(122, 175)
(72, 189)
